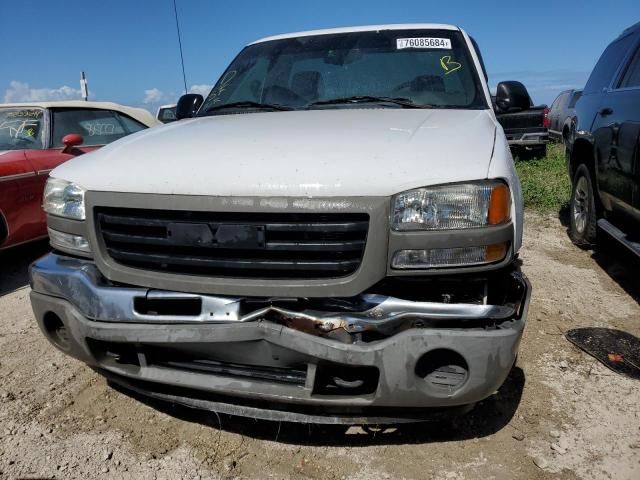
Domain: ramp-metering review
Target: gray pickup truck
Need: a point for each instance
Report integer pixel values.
(331, 236)
(526, 126)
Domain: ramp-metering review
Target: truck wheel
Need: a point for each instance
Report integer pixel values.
(583, 226)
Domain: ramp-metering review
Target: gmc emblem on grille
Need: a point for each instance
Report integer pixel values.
(214, 235)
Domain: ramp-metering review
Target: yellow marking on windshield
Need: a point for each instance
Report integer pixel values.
(448, 65)
(214, 97)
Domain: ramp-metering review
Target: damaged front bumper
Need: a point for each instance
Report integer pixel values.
(374, 358)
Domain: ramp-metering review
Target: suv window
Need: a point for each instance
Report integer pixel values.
(608, 65)
(21, 128)
(558, 103)
(632, 75)
(167, 114)
(97, 127)
(574, 98)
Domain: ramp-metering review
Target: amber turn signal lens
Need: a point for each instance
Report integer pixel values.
(499, 205)
(496, 252)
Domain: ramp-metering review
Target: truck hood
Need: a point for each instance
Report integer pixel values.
(314, 153)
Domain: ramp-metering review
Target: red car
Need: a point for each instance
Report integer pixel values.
(37, 137)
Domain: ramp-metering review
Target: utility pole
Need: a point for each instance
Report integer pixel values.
(83, 87)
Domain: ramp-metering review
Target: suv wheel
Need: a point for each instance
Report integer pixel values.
(565, 138)
(583, 226)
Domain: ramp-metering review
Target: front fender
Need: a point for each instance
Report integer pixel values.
(502, 166)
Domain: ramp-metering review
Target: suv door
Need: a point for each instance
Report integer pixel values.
(555, 112)
(628, 142)
(615, 130)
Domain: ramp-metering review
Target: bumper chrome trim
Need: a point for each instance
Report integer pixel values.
(79, 282)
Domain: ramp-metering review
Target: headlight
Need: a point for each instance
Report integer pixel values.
(449, 207)
(64, 199)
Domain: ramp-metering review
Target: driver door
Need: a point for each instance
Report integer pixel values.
(617, 134)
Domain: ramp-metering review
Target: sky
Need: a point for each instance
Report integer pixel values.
(129, 48)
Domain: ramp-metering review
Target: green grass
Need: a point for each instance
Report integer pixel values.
(545, 182)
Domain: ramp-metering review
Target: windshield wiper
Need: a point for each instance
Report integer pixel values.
(403, 102)
(249, 104)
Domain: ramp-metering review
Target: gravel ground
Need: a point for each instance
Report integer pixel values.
(560, 414)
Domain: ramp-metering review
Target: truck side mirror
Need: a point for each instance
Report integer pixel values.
(70, 141)
(512, 96)
(188, 105)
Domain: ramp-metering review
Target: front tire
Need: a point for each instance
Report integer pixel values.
(583, 218)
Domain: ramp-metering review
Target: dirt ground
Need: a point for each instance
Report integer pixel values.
(560, 414)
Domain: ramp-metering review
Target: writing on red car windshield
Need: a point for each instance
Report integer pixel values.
(20, 129)
(25, 114)
(101, 129)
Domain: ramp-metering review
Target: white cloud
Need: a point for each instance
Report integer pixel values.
(202, 89)
(22, 92)
(153, 95)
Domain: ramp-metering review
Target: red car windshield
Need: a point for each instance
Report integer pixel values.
(21, 128)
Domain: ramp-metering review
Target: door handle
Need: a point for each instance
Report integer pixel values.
(606, 111)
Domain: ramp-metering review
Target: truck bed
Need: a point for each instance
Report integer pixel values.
(525, 128)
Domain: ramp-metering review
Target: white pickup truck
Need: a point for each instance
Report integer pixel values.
(330, 236)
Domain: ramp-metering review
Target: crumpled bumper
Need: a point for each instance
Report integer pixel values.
(275, 359)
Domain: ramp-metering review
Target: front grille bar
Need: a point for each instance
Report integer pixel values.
(286, 245)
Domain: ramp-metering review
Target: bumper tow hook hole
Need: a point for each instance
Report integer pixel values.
(57, 331)
(442, 369)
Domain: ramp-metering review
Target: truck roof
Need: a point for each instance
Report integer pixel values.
(365, 28)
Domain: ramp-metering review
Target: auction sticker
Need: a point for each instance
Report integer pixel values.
(423, 42)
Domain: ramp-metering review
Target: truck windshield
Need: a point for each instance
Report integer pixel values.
(388, 68)
(21, 128)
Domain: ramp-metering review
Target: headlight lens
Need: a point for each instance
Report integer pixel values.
(64, 199)
(449, 207)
